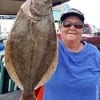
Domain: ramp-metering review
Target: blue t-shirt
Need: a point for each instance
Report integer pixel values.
(77, 75)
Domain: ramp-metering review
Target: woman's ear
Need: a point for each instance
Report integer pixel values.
(83, 28)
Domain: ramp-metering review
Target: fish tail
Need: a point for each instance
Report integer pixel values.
(28, 96)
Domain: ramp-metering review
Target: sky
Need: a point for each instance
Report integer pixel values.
(90, 8)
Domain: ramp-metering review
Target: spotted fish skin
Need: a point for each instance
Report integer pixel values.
(31, 46)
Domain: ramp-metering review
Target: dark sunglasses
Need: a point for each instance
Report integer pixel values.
(68, 24)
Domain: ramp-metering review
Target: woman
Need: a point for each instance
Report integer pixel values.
(78, 68)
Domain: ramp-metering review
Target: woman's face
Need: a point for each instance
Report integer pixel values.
(71, 29)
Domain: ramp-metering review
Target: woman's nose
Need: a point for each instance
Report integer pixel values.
(72, 27)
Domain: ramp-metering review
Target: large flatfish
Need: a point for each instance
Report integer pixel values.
(30, 53)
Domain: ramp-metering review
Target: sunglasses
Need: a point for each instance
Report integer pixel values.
(68, 24)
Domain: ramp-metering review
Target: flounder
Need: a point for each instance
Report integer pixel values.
(30, 53)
